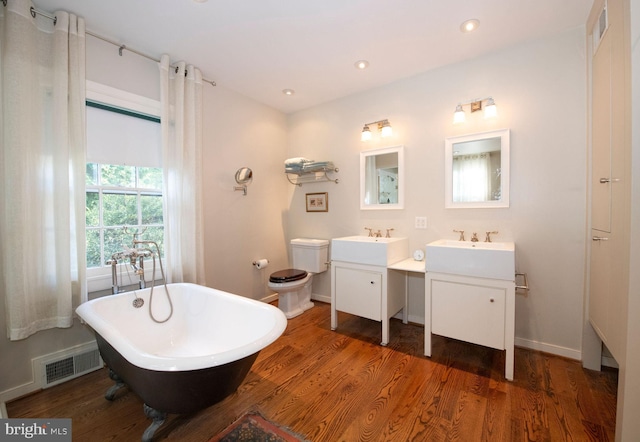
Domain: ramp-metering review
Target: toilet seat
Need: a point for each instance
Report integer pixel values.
(288, 275)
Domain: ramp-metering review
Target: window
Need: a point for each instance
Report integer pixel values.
(121, 201)
(123, 177)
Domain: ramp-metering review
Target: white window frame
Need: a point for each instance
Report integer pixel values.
(99, 278)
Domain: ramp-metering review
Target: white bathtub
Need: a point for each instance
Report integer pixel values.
(208, 328)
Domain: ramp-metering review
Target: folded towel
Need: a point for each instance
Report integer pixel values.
(318, 166)
(296, 161)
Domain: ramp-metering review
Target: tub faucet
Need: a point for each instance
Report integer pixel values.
(461, 232)
(378, 234)
(488, 238)
(389, 233)
(474, 237)
(370, 231)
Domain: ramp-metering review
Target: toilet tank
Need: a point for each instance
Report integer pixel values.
(311, 255)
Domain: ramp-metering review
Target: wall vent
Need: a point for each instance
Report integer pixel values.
(68, 364)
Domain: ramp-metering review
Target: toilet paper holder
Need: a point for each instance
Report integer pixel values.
(260, 263)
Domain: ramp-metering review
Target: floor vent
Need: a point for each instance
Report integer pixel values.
(68, 364)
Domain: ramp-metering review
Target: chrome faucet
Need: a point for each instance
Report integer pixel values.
(474, 237)
(378, 234)
(370, 231)
(488, 238)
(461, 232)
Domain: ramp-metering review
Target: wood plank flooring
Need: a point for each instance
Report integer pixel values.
(343, 386)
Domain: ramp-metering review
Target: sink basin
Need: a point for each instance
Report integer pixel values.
(369, 250)
(495, 260)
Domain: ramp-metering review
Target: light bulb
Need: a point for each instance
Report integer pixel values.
(458, 115)
(366, 134)
(386, 129)
(490, 109)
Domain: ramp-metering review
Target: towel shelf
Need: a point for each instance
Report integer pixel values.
(311, 176)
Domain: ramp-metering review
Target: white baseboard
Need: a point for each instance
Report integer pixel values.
(321, 298)
(270, 298)
(549, 348)
(19, 391)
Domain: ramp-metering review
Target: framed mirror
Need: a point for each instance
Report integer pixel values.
(477, 170)
(382, 178)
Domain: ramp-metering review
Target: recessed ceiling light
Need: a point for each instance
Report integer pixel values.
(470, 25)
(361, 64)
(288, 91)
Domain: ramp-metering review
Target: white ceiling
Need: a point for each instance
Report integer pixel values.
(260, 47)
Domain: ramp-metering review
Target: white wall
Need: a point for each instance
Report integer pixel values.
(238, 132)
(540, 90)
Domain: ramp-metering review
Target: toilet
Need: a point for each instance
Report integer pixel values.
(310, 256)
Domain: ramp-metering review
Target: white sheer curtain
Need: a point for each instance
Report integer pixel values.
(42, 168)
(472, 177)
(181, 120)
(371, 181)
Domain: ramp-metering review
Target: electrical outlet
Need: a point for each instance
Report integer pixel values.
(421, 222)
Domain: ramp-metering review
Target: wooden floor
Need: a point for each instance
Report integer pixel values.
(342, 386)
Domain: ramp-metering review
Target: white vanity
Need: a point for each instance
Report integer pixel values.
(470, 294)
(360, 282)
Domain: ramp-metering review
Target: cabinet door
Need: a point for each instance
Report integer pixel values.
(359, 292)
(601, 137)
(468, 312)
(599, 297)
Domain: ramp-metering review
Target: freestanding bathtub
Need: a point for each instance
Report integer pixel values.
(195, 359)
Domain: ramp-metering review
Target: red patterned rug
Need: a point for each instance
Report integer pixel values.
(252, 426)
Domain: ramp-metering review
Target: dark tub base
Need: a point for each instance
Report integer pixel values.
(174, 392)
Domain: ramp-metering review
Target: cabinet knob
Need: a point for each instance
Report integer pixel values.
(491, 300)
(600, 238)
(372, 282)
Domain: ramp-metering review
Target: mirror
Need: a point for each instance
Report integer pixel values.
(477, 170)
(244, 175)
(382, 178)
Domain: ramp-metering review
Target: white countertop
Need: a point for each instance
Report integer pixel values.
(408, 265)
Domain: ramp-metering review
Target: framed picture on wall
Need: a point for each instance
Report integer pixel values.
(317, 202)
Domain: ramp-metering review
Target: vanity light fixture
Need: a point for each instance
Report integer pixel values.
(384, 127)
(490, 109)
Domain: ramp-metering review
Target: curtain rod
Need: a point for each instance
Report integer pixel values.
(121, 47)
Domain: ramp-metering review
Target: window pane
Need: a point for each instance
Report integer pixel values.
(91, 176)
(119, 209)
(150, 177)
(93, 209)
(117, 176)
(93, 248)
(151, 208)
(115, 240)
(155, 234)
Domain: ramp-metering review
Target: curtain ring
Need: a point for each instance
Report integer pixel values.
(33, 10)
(4, 2)
(120, 49)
